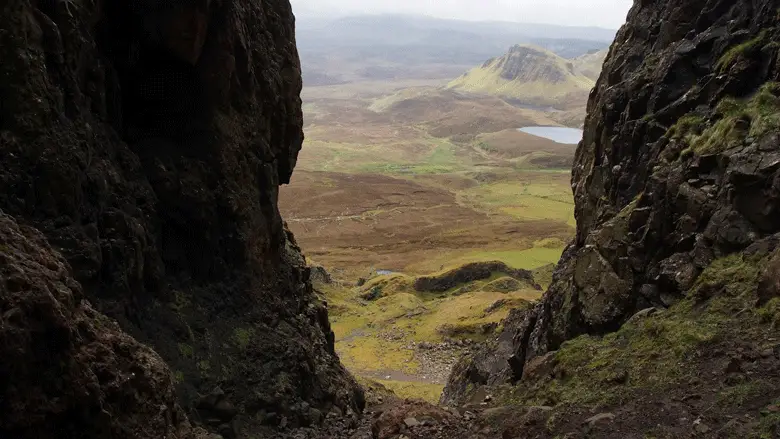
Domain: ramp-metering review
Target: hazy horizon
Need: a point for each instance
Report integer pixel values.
(611, 13)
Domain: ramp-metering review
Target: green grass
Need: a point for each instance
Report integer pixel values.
(243, 336)
(741, 50)
(538, 255)
(371, 353)
(770, 313)
(738, 394)
(770, 424)
(526, 259)
(686, 127)
(425, 391)
(739, 119)
(532, 198)
(361, 327)
(442, 159)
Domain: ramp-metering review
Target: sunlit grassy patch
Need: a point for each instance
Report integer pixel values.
(527, 259)
(535, 197)
(360, 314)
(467, 311)
(416, 390)
(374, 336)
(370, 353)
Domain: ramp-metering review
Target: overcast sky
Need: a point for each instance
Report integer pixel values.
(603, 13)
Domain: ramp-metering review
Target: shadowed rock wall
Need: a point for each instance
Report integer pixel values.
(146, 141)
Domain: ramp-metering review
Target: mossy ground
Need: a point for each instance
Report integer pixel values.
(374, 337)
(742, 50)
(414, 390)
(684, 348)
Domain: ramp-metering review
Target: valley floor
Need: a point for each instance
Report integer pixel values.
(398, 181)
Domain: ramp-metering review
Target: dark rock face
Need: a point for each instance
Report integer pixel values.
(530, 64)
(67, 370)
(679, 165)
(146, 141)
(470, 273)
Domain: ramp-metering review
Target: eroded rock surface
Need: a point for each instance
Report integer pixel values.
(67, 370)
(679, 166)
(146, 141)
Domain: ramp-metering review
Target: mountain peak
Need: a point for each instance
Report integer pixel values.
(528, 73)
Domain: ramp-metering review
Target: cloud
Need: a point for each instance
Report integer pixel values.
(603, 13)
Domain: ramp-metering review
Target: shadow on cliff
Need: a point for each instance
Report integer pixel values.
(147, 141)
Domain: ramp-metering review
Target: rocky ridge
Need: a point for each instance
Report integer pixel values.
(676, 192)
(145, 142)
(529, 74)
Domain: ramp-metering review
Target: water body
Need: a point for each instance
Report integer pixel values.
(556, 134)
(383, 272)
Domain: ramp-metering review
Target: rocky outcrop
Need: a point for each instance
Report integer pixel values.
(146, 141)
(470, 273)
(67, 370)
(530, 75)
(529, 64)
(679, 166)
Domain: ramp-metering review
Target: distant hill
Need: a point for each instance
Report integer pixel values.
(533, 75)
(590, 64)
(399, 46)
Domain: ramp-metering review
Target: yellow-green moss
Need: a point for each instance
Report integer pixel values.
(690, 124)
(371, 354)
(186, 350)
(769, 425)
(770, 313)
(181, 301)
(654, 353)
(243, 336)
(424, 391)
(737, 120)
(732, 55)
(737, 273)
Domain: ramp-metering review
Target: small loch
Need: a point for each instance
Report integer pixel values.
(556, 134)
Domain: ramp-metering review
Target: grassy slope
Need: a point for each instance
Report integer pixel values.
(674, 355)
(534, 86)
(373, 337)
(590, 65)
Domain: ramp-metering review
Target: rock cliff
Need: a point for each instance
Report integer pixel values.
(145, 141)
(677, 190)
